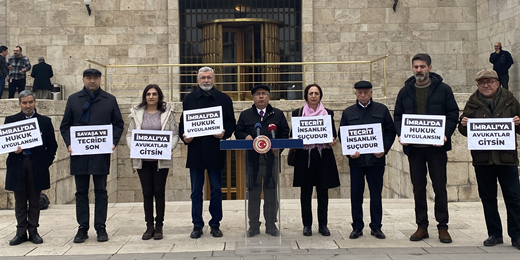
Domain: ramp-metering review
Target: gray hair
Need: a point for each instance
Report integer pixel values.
(40, 59)
(25, 93)
(205, 69)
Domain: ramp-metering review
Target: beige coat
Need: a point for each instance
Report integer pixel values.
(167, 124)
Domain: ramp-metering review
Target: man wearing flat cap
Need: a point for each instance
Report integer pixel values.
(260, 166)
(91, 106)
(492, 101)
(425, 93)
(369, 166)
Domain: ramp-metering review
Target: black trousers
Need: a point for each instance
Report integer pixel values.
(322, 194)
(101, 200)
(436, 161)
(507, 176)
(374, 177)
(153, 183)
(262, 177)
(504, 80)
(16, 84)
(27, 217)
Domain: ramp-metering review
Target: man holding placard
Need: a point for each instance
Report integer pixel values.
(91, 122)
(426, 94)
(252, 121)
(204, 146)
(366, 163)
(494, 153)
(28, 171)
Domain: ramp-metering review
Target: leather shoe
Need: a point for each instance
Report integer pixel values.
(419, 234)
(18, 240)
(158, 233)
(35, 237)
(378, 233)
(81, 236)
(148, 234)
(272, 230)
(516, 244)
(307, 231)
(356, 233)
(493, 241)
(215, 232)
(324, 231)
(253, 232)
(444, 236)
(196, 233)
(102, 235)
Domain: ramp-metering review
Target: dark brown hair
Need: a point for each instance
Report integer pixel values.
(306, 91)
(161, 105)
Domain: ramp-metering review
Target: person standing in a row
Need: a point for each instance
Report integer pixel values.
(18, 65)
(153, 114)
(315, 165)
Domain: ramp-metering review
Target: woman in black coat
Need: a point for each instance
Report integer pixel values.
(315, 165)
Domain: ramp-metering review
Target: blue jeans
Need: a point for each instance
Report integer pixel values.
(215, 203)
(487, 190)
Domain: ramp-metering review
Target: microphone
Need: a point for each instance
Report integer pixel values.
(272, 129)
(258, 127)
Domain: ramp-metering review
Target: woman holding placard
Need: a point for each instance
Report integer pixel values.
(315, 165)
(153, 114)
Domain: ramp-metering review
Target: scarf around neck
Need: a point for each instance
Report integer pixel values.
(491, 104)
(320, 111)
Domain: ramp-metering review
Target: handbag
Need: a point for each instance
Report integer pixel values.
(291, 157)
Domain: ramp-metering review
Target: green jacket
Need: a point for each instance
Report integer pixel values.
(507, 107)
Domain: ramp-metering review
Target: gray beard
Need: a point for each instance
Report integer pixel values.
(420, 78)
(206, 88)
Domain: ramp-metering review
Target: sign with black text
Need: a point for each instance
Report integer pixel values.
(92, 139)
(423, 129)
(491, 134)
(24, 133)
(313, 129)
(366, 139)
(149, 144)
(203, 122)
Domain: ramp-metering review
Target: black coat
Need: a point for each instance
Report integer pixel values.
(4, 72)
(329, 177)
(249, 117)
(42, 156)
(42, 74)
(440, 102)
(204, 152)
(374, 113)
(104, 111)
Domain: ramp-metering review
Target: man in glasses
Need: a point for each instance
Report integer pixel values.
(492, 101)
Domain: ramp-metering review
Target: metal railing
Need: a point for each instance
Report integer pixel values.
(236, 79)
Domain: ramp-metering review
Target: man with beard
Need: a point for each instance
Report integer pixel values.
(18, 65)
(204, 152)
(424, 93)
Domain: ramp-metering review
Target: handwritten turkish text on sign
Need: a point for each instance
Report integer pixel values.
(203, 122)
(149, 144)
(24, 133)
(366, 139)
(423, 129)
(94, 139)
(313, 129)
(491, 134)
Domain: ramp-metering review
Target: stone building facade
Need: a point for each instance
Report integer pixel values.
(458, 34)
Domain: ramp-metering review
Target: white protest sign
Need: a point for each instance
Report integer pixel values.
(366, 139)
(313, 129)
(93, 139)
(149, 144)
(423, 129)
(24, 133)
(203, 122)
(491, 134)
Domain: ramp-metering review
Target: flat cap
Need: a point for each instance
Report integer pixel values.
(486, 74)
(260, 86)
(89, 72)
(362, 84)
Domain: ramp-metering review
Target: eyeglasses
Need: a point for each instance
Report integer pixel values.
(489, 83)
(208, 77)
(261, 94)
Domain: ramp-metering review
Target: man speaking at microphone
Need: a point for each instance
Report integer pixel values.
(266, 120)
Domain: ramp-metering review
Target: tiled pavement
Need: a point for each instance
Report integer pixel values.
(126, 223)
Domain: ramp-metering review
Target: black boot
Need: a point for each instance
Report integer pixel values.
(149, 233)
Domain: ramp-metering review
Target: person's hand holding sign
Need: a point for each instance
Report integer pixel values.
(379, 155)
(438, 145)
(187, 139)
(355, 155)
(403, 144)
(70, 149)
(18, 150)
(219, 136)
(333, 142)
(516, 120)
(464, 121)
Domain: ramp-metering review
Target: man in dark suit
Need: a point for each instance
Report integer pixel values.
(28, 171)
(42, 74)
